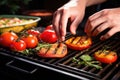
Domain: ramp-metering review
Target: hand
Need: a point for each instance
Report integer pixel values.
(102, 20)
(73, 10)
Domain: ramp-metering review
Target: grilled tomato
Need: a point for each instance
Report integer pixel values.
(79, 42)
(56, 50)
(106, 56)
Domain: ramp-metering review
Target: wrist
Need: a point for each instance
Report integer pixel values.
(76, 3)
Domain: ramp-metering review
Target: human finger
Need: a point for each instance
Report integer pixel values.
(55, 22)
(110, 33)
(92, 25)
(101, 28)
(96, 15)
(75, 23)
(63, 23)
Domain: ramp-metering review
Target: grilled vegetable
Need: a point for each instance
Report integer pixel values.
(56, 50)
(79, 42)
(106, 56)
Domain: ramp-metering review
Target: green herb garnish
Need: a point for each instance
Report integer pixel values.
(87, 60)
(31, 51)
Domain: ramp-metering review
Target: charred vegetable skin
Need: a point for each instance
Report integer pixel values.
(106, 56)
(56, 50)
(79, 42)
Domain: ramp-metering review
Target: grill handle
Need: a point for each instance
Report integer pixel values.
(22, 66)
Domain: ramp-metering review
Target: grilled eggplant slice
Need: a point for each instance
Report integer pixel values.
(56, 50)
(79, 42)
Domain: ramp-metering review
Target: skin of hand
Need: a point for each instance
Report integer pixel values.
(102, 20)
(73, 11)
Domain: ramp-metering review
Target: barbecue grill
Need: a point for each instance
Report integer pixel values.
(31, 67)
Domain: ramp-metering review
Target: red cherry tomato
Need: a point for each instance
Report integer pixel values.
(49, 27)
(7, 37)
(18, 45)
(48, 36)
(106, 56)
(30, 40)
(33, 32)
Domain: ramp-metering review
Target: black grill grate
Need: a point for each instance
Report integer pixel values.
(108, 71)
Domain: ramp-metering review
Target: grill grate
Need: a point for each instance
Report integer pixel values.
(109, 71)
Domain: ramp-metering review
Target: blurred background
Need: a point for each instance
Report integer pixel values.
(45, 8)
